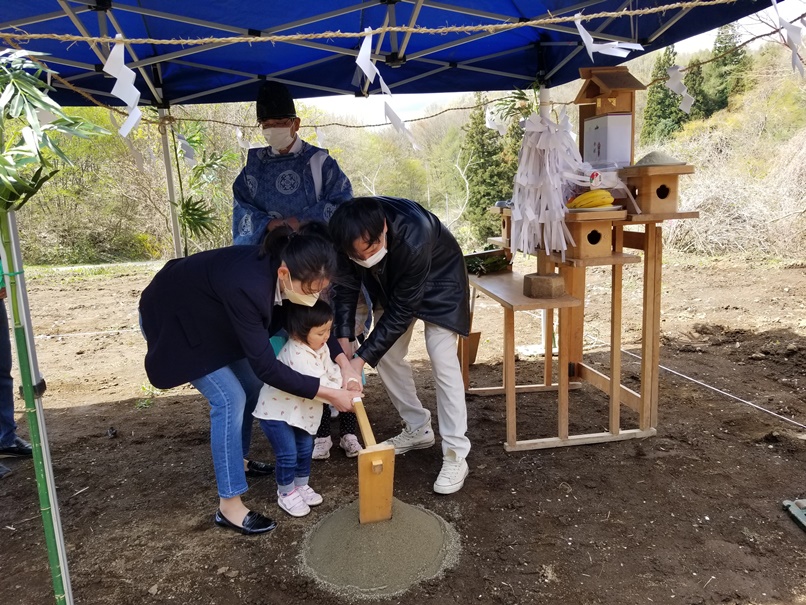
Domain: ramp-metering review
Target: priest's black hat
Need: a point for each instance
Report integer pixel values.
(274, 102)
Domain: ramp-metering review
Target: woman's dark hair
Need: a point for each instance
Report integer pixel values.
(359, 218)
(300, 320)
(308, 252)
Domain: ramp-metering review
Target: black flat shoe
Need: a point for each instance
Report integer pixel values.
(19, 449)
(258, 469)
(253, 523)
(4, 470)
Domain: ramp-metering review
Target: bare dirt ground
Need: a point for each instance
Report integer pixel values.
(690, 516)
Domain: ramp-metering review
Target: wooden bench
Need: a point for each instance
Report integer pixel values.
(506, 289)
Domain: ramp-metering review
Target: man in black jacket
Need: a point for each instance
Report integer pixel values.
(413, 269)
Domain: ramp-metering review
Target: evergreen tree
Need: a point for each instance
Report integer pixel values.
(490, 173)
(695, 83)
(727, 75)
(662, 116)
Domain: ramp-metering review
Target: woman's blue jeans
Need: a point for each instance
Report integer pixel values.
(232, 392)
(293, 449)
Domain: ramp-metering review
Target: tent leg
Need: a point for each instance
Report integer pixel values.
(166, 156)
(33, 386)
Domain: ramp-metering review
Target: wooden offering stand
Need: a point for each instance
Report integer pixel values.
(600, 241)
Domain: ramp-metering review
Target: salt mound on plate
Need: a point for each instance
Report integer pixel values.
(658, 158)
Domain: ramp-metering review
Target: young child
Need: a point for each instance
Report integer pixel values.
(348, 424)
(290, 422)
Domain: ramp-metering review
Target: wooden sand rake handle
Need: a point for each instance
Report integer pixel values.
(363, 422)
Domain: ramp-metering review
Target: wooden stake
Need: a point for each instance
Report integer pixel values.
(376, 473)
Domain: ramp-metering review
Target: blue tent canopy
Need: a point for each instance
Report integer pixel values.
(214, 72)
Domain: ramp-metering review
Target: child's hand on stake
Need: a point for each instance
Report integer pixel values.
(341, 399)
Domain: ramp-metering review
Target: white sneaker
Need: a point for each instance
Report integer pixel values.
(293, 503)
(412, 440)
(452, 476)
(310, 497)
(349, 443)
(321, 448)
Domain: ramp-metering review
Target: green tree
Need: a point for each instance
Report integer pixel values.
(490, 172)
(695, 83)
(662, 116)
(727, 74)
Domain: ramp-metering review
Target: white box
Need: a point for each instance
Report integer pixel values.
(608, 140)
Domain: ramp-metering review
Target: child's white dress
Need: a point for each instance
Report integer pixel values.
(306, 414)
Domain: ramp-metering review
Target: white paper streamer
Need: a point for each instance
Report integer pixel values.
(616, 49)
(675, 84)
(793, 39)
(399, 125)
(494, 121)
(187, 150)
(243, 143)
(132, 121)
(321, 139)
(124, 88)
(364, 61)
(137, 157)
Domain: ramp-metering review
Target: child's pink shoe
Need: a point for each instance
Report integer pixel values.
(349, 443)
(293, 503)
(310, 497)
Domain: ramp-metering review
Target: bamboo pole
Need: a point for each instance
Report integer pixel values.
(32, 391)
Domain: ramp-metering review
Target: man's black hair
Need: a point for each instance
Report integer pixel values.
(361, 218)
(300, 320)
(307, 253)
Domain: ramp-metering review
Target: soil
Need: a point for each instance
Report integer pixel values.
(692, 515)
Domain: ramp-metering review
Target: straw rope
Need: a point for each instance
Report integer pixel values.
(329, 35)
(729, 52)
(12, 38)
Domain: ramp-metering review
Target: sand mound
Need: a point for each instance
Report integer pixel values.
(379, 559)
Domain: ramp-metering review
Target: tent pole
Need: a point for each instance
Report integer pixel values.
(32, 387)
(166, 157)
(544, 100)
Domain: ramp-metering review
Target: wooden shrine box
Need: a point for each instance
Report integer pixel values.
(592, 233)
(655, 188)
(606, 90)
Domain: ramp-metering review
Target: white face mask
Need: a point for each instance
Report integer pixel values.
(278, 138)
(298, 298)
(373, 260)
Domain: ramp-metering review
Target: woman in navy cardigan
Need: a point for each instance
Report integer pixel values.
(208, 318)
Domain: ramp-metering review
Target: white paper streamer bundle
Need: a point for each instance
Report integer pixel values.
(124, 88)
(548, 163)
